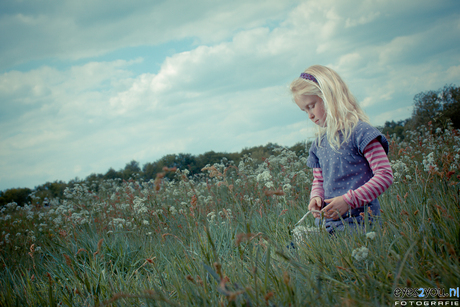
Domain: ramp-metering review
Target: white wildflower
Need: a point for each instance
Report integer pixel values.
(300, 233)
(371, 235)
(399, 168)
(360, 253)
(11, 206)
(429, 163)
(211, 215)
(265, 176)
(229, 213)
(139, 206)
(159, 211)
(173, 210)
(58, 220)
(283, 161)
(302, 176)
(118, 222)
(287, 187)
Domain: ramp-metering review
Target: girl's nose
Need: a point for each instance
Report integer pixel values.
(310, 115)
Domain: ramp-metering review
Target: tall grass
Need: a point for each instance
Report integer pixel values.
(221, 239)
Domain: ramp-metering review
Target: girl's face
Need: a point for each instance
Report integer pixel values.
(314, 106)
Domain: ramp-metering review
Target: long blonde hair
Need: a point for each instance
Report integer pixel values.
(342, 109)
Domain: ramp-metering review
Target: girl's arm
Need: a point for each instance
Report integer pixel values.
(382, 179)
(317, 192)
(317, 189)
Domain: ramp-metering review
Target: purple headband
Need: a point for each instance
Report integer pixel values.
(308, 77)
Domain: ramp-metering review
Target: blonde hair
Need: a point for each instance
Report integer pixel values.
(342, 109)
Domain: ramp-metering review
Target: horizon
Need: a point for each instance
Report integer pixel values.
(85, 87)
(142, 165)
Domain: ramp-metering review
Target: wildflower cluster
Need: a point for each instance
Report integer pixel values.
(219, 238)
(426, 152)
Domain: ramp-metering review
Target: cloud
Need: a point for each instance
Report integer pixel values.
(83, 125)
(393, 115)
(74, 30)
(371, 16)
(226, 91)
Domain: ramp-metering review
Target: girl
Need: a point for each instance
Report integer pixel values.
(348, 157)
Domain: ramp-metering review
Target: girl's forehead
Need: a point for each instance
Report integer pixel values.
(307, 99)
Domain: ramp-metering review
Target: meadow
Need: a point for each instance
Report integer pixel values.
(221, 238)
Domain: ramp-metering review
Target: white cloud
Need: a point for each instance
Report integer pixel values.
(393, 115)
(362, 20)
(350, 61)
(74, 30)
(227, 92)
(453, 73)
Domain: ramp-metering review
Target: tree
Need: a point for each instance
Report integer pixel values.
(451, 104)
(131, 168)
(394, 128)
(150, 170)
(439, 107)
(112, 174)
(19, 196)
(51, 190)
(187, 161)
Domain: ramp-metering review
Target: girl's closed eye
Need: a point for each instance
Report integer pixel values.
(312, 104)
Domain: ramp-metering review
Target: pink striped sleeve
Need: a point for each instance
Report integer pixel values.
(382, 179)
(317, 189)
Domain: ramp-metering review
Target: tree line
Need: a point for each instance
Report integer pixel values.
(133, 170)
(441, 107)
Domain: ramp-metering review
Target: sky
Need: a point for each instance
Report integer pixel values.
(88, 85)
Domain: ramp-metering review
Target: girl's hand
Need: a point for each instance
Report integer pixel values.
(315, 204)
(336, 208)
